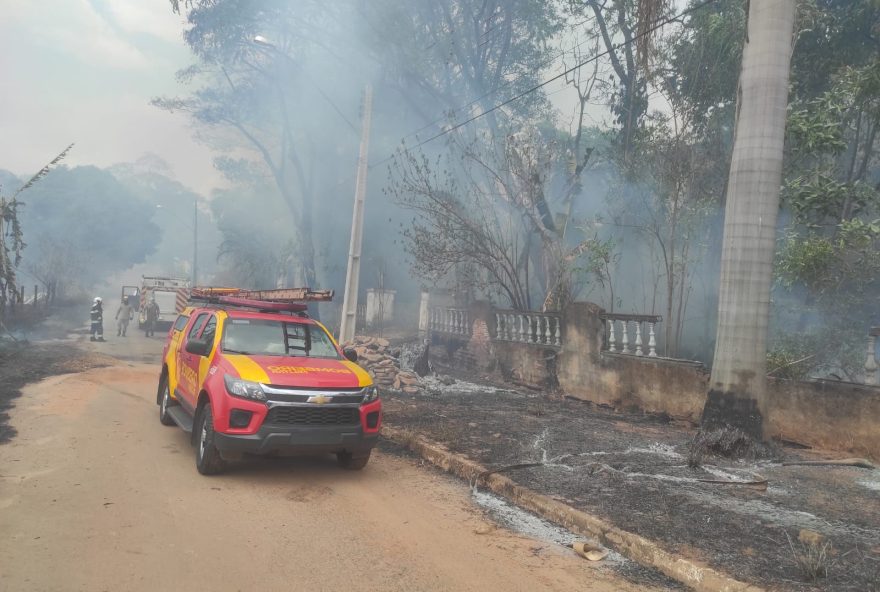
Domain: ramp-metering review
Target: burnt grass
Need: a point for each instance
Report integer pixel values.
(633, 470)
(23, 362)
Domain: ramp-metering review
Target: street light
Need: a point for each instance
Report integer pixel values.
(265, 43)
(353, 270)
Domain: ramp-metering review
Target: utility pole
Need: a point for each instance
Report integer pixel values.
(195, 276)
(352, 275)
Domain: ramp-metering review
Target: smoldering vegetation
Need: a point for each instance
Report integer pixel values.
(606, 183)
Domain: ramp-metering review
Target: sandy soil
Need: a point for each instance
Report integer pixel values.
(96, 495)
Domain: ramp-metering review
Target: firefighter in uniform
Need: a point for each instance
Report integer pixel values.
(123, 316)
(97, 319)
(152, 315)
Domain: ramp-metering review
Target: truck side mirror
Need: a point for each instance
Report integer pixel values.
(350, 354)
(199, 347)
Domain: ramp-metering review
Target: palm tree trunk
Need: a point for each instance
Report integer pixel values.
(738, 385)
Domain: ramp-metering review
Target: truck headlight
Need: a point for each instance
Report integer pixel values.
(245, 389)
(371, 393)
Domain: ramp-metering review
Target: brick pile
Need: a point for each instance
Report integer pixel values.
(376, 356)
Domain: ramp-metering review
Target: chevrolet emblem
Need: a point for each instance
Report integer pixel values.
(319, 399)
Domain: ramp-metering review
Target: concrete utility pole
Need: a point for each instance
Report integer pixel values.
(352, 275)
(195, 276)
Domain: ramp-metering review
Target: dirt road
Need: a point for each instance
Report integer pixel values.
(96, 495)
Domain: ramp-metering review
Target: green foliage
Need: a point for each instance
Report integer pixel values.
(832, 35)
(840, 273)
(702, 64)
(793, 356)
(815, 128)
(597, 263)
(817, 197)
(828, 264)
(805, 260)
(10, 250)
(833, 266)
(833, 351)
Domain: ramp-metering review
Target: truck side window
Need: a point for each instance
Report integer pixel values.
(180, 323)
(210, 330)
(197, 325)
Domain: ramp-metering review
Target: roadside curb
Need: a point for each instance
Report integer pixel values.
(634, 547)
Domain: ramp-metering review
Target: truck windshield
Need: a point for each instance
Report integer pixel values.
(259, 337)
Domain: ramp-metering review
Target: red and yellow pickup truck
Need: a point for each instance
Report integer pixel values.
(252, 377)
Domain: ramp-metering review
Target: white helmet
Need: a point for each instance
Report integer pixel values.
(98, 299)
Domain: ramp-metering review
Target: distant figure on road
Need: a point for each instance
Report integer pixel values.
(97, 318)
(152, 315)
(123, 316)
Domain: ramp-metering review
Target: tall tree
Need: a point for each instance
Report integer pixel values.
(738, 389)
(251, 95)
(114, 228)
(461, 56)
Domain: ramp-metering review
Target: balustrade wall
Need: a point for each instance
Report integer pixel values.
(612, 359)
(528, 327)
(445, 319)
(631, 334)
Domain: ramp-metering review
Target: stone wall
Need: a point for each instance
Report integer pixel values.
(826, 414)
(528, 365)
(822, 414)
(655, 385)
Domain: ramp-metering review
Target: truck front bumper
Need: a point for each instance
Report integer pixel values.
(299, 440)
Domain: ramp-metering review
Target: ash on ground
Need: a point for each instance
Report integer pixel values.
(633, 470)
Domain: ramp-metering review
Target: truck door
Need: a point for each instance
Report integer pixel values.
(188, 365)
(131, 294)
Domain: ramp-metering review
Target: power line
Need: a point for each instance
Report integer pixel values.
(544, 83)
(509, 83)
(517, 97)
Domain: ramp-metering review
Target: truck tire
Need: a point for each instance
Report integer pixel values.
(165, 402)
(208, 459)
(347, 461)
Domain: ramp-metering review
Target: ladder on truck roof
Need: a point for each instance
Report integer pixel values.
(277, 295)
(279, 300)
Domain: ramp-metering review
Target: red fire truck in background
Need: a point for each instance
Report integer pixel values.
(171, 294)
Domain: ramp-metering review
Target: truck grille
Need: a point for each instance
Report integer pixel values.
(313, 416)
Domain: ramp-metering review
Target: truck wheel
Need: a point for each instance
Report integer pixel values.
(346, 461)
(165, 402)
(208, 459)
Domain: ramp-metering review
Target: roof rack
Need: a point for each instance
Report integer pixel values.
(279, 295)
(291, 300)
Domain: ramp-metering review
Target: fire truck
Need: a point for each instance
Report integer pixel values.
(170, 293)
(247, 372)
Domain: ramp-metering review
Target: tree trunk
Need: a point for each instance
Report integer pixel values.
(738, 384)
